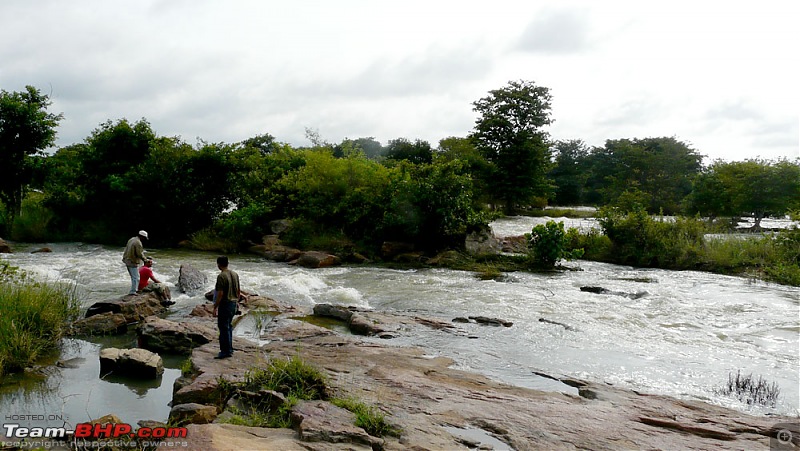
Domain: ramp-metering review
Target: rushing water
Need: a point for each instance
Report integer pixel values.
(682, 334)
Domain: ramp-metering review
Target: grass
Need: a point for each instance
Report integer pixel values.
(33, 318)
(750, 390)
(368, 418)
(296, 380)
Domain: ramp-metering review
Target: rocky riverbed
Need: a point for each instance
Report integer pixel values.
(436, 407)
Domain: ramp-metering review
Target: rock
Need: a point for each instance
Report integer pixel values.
(162, 335)
(316, 259)
(565, 326)
(410, 257)
(359, 324)
(601, 290)
(106, 323)
(482, 243)
(72, 363)
(134, 307)
(190, 279)
(391, 249)
(272, 249)
(193, 413)
(514, 244)
(461, 319)
(491, 321)
(263, 400)
(132, 362)
(279, 226)
(333, 311)
(107, 419)
(42, 249)
(4, 247)
(320, 421)
(446, 258)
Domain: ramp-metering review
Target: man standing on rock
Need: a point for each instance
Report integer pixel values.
(226, 296)
(134, 253)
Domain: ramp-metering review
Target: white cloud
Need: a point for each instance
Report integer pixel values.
(722, 76)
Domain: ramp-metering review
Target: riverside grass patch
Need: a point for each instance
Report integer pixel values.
(33, 318)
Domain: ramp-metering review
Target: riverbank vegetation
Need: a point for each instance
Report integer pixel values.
(33, 318)
(354, 195)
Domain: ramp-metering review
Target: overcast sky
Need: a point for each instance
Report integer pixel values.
(721, 76)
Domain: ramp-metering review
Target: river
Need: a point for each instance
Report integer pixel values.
(679, 333)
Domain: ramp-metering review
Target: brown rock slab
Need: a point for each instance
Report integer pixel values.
(162, 335)
(106, 323)
(192, 413)
(321, 421)
(134, 307)
(132, 362)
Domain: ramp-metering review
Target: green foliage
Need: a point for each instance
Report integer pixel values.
(509, 134)
(418, 152)
(641, 240)
(595, 244)
(657, 171)
(26, 129)
(756, 187)
(32, 224)
(368, 417)
(292, 377)
(547, 244)
(569, 173)
(33, 318)
(431, 205)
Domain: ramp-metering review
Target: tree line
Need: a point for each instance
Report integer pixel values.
(124, 177)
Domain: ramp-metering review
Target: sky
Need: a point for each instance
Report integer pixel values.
(721, 76)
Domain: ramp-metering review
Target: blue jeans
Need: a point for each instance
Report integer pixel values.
(134, 272)
(225, 313)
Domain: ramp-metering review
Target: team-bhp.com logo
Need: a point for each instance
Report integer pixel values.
(91, 431)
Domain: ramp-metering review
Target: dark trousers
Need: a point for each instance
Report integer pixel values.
(225, 313)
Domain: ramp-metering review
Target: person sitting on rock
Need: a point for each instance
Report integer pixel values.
(146, 275)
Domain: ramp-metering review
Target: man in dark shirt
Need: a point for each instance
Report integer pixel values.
(226, 295)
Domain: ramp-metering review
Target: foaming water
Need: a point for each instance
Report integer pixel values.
(668, 332)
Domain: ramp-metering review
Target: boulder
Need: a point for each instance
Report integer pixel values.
(333, 311)
(272, 249)
(4, 247)
(316, 259)
(361, 325)
(514, 244)
(106, 323)
(190, 279)
(320, 421)
(482, 243)
(162, 335)
(42, 250)
(131, 362)
(279, 226)
(134, 307)
(192, 413)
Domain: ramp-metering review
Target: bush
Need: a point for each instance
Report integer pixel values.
(547, 244)
(33, 318)
(292, 377)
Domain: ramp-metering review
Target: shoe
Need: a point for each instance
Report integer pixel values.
(223, 356)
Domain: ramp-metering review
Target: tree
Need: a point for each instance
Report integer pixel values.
(756, 187)
(659, 171)
(417, 152)
(26, 129)
(509, 134)
(570, 172)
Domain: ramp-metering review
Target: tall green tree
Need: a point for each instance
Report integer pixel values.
(656, 171)
(417, 152)
(26, 129)
(570, 172)
(509, 133)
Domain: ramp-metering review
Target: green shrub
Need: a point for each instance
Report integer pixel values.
(32, 224)
(547, 244)
(33, 318)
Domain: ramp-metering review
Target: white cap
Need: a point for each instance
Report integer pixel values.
(144, 234)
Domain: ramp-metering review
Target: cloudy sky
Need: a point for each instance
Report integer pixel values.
(721, 76)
